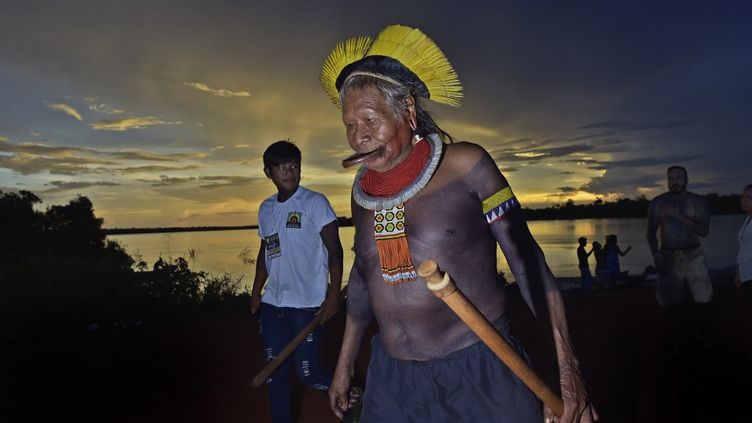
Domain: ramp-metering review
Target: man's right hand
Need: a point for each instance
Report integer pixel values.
(339, 389)
(255, 303)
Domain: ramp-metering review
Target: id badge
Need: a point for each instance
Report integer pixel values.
(273, 247)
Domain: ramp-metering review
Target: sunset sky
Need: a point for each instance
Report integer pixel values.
(158, 111)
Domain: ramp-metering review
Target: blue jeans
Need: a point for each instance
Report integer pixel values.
(279, 325)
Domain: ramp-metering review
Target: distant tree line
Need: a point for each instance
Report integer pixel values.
(624, 208)
(58, 266)
(172, 229)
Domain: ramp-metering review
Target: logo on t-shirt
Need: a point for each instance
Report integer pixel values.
(294, 219)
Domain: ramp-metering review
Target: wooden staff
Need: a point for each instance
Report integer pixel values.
(442, 285)
(285, 353)
(271, 366)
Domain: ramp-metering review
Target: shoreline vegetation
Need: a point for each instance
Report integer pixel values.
(599, 209)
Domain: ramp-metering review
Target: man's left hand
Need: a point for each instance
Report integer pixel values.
(329, 308)
(577, 405)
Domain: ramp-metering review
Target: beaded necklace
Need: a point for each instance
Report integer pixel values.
(385, 193)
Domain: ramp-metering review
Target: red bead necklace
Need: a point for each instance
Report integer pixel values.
(393, 181)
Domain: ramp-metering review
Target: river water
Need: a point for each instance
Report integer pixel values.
(220, 252)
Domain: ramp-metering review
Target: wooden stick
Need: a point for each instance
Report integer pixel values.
(271, 366)
(285, 353)
(442, 285)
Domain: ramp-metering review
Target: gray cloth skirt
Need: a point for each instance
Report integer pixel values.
(468, 385)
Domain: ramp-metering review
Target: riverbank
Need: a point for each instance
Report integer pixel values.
(199, 370)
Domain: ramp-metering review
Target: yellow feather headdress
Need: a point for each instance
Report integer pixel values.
(399, 54)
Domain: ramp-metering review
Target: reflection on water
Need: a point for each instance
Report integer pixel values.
(235, 251)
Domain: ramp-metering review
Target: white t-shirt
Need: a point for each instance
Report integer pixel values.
(296, 258)
(744, 259)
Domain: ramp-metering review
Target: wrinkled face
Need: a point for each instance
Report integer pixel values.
(372, 126)
(746, 201)
(677, 181)
(286, 176)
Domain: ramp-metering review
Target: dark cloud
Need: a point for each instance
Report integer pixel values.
(205, 182)
(39, 149)
(165, 180)
(214, 182)
(625, 182)
(638, 126)
(27, 165)
(535, 155)
(591, 136)
(635, 162)
(61, 186)
(153, 169)
(28, 159)
(146, 156)
(568, 190)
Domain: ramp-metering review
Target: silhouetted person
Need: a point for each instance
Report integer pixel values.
(586, 278)
(612, 252)
(601, 273)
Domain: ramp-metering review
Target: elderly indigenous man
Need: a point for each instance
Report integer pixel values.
(417, 198)
(683, 217)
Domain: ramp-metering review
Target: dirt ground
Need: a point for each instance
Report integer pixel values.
(202, 371)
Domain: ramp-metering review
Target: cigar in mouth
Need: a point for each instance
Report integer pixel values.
(359, 158)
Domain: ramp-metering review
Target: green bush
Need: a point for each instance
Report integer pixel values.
(58, 265)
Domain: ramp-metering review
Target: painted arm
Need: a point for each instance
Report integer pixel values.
(526, 261)
(536, 283)
(260, 279)
(330, 237)
(359, 315)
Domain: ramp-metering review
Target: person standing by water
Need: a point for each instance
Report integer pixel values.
(418, 196)
(683, 217)
(586, 278)
(300, 252)
(612, 252)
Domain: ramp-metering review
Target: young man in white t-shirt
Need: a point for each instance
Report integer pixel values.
(300, 252)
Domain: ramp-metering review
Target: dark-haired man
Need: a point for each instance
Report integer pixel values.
(300, 250)
(683, 217)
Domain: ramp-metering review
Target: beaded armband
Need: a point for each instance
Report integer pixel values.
(496, 206)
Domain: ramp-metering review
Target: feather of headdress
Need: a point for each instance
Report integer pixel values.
(344, 53)
(423, 57)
